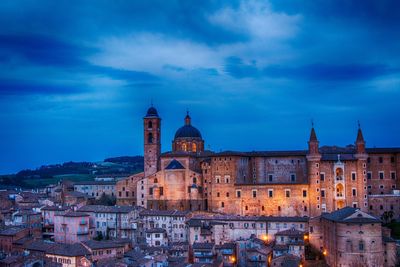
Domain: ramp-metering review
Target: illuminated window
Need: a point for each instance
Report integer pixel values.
(194, 147)
(184, 147)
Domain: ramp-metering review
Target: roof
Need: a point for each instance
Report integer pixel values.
(226, 246)
(95, 183)
(198, 245)
(227, 217)
(188, 131)
(288, 260)
(69, 250)
(350, 215)
(107, 209)
(39, 245)
(174, 165)
(12, 231)
(290, 232)
(313, 136)
(55, 208)
(94, 244)
(152, 112)
(77, 194)
(74, 214)
(360, 137)
(283, 153)
(173, 213)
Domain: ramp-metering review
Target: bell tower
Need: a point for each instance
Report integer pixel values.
(152, 141)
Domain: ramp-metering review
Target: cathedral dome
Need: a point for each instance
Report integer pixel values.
(152, 112)
(187, 131)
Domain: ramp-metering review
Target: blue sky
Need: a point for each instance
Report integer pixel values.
(76, 77)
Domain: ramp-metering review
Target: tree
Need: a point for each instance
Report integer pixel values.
(387, 216)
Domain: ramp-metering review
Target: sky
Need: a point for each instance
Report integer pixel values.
(76, 77)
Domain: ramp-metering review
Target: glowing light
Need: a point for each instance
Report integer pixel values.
(264, 237)
(325, 252)
(233, 259)
(305, 237)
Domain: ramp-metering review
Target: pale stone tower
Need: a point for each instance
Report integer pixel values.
(313, 165)
(152, 141)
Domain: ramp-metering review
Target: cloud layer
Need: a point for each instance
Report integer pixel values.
(76, 78)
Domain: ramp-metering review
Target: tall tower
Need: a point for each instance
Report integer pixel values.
(152, 141)
(313, 166)
(361, 156)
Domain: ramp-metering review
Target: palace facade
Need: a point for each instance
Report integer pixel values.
(270, 183)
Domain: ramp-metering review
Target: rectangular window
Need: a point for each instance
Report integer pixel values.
(322, 192)
(353, 176)
(304, 193)
(161, 191)
(380, 160)
(393, 175)
(381, 175)
(270, 193)
(254, 193)
(354, 192)
(322, 176)
(217, 179)
(270, 177)
(392, 159)
(238, 193)
(369, 175)
(287, 192)
(293, 177)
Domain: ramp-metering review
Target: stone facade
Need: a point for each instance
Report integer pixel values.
(278, 183)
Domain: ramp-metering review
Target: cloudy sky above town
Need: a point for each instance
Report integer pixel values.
(76, 77)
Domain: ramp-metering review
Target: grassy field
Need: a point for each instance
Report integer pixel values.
(55, 179)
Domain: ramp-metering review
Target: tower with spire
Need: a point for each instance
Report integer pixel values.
(313, 165)
(152, 141)
(361, 174)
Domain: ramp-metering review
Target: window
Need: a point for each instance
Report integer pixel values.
(380, 160)
(150, 138)
(354, 191)
(217, 194)
(246, 208)
(194, 180)
(150, 125)
(287, 192)
(222, 204)
(304, 193)
(270, 177)
(194, 147)
(393, 175)
(322, 192)
(369, 175)
(217, 179)
(127, 193)
(293, 177)
(353, 176)
(119, 193)
(322, 176)
(238, 193)
(392, 159)
(381, 175)
(227, 179)
(354, 204)
(227, 194)
(254, 192)
(270, 193)
(361, 246)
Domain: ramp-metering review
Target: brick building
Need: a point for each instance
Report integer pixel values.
(277, 183)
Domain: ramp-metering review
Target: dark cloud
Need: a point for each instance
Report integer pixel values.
(85, 73)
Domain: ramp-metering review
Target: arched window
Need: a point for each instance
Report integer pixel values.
(184, 147)
(194, 147)
(150, 138)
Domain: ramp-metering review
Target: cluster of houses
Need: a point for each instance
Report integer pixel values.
(61, 226)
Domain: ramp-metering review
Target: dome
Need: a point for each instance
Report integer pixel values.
(152, 112)
(187, 131)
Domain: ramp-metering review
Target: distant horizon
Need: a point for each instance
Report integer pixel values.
(76, 80)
